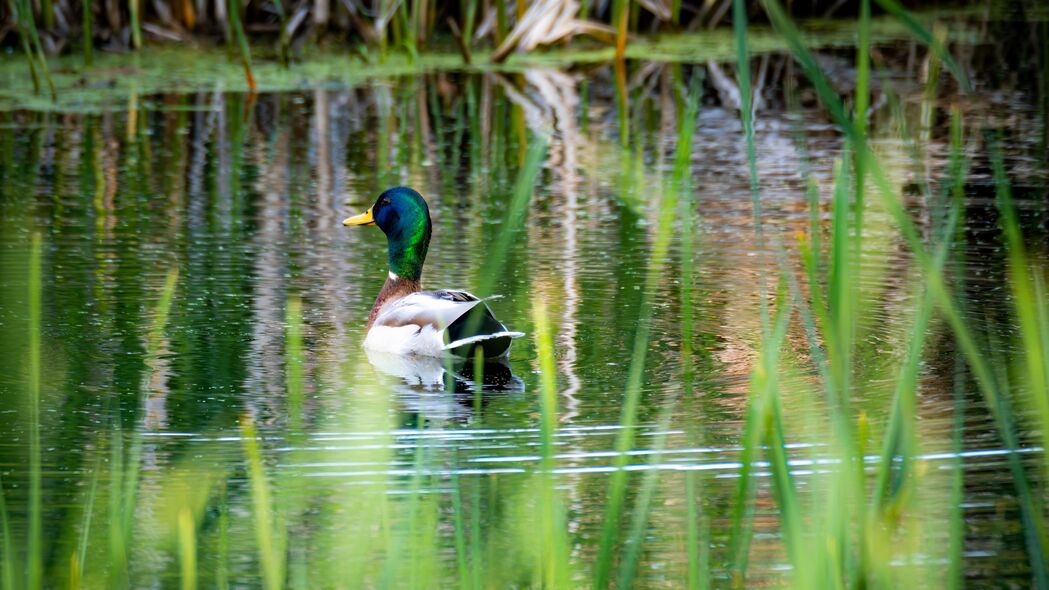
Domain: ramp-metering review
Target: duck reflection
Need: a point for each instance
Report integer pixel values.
(444, 389)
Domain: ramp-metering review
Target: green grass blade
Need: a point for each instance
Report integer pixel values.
(548, 380)
(501, 26)
(860, 115)
(1028, 306)
(697, 538)
(459, 526)
(14, 6)
(10, 567)
(283, 43)
(136, 26)
(900, 438)
(764, 384)
(266, 535)
(935, 282)
(187, 548)
(516, 213)
(233, 9)
(87, 41)
(89, 509)
(742, 506)
(955, 572)
(620, 13)
(554, 550)
(118, 538)
(840, 331)
(622, 104)
(293, 359)
(739, 27)
(28, 22)
(161, 313)
(740, 540)
(632, 393)
(925, 36)
(678, 186)
(35, 555)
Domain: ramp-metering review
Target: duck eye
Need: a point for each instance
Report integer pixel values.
(386, 200)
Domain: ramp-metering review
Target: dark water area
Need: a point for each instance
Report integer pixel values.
(243, 196)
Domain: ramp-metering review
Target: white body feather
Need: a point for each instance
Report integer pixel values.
(416, 324)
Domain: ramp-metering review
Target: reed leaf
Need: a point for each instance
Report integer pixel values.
(136, 26)
(267, 535)
(1028, 306)
(554, 552)
(977, 360)
(234, 9)
(293, 355)
(187, 548)
(87, 32)
(632, 392)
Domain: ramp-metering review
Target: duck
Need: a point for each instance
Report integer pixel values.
(409, 321)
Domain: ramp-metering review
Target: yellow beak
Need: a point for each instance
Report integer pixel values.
(362, 219)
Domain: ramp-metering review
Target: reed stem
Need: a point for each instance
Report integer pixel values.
(136, 26)
(266, 535)
(87, 41)
(620, 15)
(187, 546)
(234, 8)
(35, 549)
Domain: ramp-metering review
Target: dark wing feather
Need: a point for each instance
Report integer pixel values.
(478, 321)
(452, 295)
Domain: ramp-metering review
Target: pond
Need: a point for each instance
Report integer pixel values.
(205, 401)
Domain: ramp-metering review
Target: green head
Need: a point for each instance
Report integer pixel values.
(403, 216)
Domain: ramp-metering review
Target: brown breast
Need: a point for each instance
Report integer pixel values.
(392, 290)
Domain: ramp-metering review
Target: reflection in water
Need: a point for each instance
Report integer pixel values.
(452, 374)
(444, 389)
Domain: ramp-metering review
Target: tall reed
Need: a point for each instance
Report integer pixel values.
(624, 442)
(740, 535)
(35, 541)
(87, 32)
(293, 355)
(934, 278)
(234, 9)
(554, 553)
(187, 544)
(25, 21)
(1028, 289)
(620, 15)
(10, 562)
(136, 26)
(283, 40)
(268, 536)
(15, 8)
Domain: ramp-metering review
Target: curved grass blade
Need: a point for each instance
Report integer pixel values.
(678, 185)
(935, 280)
(925, 36)
(632, 393)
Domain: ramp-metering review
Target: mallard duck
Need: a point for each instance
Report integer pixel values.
(407, 320)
